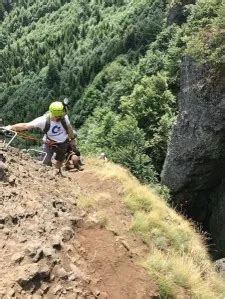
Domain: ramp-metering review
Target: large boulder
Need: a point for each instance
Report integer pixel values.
(195, 163)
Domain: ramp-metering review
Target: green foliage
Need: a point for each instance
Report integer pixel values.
(151, 105)
(117, 60)
(205, 32)
(52, 77)
(121, 139)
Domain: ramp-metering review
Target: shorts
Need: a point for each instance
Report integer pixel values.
(59, 149)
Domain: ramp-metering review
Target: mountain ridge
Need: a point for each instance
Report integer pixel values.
(80, 234)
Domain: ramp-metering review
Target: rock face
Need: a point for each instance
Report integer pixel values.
(195, 164)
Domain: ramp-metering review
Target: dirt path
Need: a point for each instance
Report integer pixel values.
(50, 247)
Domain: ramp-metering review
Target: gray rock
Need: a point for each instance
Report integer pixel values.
(77, 273)
(44, 272)
(38, 255)
(18, 257)
(67, 234)
(76, 221)
(61, 273)
(194, 167)
(27, 273)
(49, 252)
(12, 180)
(57, 242)
(220, 266)
(57, 289)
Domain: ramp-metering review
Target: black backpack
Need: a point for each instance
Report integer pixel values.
(48, 124)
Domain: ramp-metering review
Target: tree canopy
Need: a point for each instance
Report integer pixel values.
(117, 60)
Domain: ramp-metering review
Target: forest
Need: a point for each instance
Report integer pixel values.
(118, 61)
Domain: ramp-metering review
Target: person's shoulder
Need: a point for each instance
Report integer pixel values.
(42, 118)
(39, 121)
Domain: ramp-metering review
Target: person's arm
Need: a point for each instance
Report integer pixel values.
(71, 132)
(36, 123)
(20, 127)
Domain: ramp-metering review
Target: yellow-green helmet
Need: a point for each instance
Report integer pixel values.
(56, 109)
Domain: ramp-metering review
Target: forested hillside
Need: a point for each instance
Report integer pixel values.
(118, 62)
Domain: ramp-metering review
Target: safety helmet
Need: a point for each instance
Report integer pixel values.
(56, 109)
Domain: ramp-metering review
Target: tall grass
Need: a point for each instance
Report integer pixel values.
(178, 259)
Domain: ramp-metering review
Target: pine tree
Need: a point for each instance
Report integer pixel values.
(52, 78)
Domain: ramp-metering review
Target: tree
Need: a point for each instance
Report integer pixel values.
(52, 77)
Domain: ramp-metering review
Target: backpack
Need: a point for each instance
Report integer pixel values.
(48, 124)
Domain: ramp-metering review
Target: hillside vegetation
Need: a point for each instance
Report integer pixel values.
(117, 60)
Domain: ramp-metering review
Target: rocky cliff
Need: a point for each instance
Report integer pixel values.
(194, 168)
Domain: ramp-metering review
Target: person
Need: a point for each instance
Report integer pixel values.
(58, 132)
(73, 158)
(103, 157)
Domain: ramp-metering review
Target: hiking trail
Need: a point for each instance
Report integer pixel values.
(55, 243)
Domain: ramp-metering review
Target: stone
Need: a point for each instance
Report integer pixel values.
(77, 273)
(38, 255)
(97, 293)
(49, 252)
(26, 274)
(220, 266)
(34, 251)
(76, 221)
(12, 180)
(57, 242)
(44, 272)
(18, 257)
(67, 234)
(61, 273)
(57, 289)
(6, 231)
(103, 295)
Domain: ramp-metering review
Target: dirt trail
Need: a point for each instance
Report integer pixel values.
(50, 247)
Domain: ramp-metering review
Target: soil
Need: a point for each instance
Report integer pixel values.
(52, 247)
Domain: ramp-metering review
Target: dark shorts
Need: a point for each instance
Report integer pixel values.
(59, 149)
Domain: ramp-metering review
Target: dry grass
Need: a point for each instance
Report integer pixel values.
(178, 258)
(90, 200)
(102, 218)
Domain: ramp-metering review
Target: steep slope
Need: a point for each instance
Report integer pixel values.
(95, 234)
(51, 248)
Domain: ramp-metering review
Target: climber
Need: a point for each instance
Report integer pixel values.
(58, 133)
(103, 157)
(73, 158)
